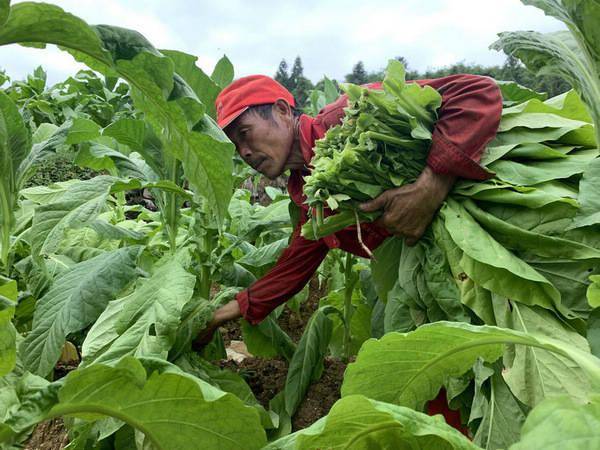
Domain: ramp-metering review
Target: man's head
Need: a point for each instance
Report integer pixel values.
(258, 115)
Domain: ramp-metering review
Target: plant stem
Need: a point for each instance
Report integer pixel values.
(350, 280)
(172, 207)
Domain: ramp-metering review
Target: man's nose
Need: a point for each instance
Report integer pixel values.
(245, 152)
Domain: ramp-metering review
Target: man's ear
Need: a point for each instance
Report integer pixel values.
(282, 107)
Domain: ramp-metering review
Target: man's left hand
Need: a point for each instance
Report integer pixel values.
(409, 209)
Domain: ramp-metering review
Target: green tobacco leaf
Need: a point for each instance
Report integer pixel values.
(224, 379)
(593, 291)
(76, 298)
(15, 145)
(8, 333)
(145, 322)
(127, 131)
(204, 87)
(169, 104)
(307, 363)
(562, 423)
(171, 408)
(528, 174)
(589, 197)
(409, 369)
(82, 130)
(267, 339)
(503, 418)
(492, 266)
(359, 423)
(264, 255)
(557, 54)
(516, 238)
(537, 374)
(79, 206)
(384, 266)
(514, 93)
(102, 158)
(4, 10)
(223, 72)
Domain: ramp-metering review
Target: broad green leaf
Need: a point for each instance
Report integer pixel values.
(537, 374)
(167, 101)
(75, 300)
(102, 158)
(589, 196)
(514, 93)
(171, 409)
(267, 339)
(15, 145)
(307, 364)
(82, 130)
(384, 266)
(558, 54)
(8, 333)
(567, 105)
(130, 132)
(593, 291)
(359, 423)
(537, 151)
(224, 379)
(143, 323)
(503, 418)
(78, 207)
(4, 10)
(205, 88)
(409, 369)
(48, 194)
(528, 174)
(223, 72)
(492, 266)
(561, 423)
(265, 255)
(516, 238)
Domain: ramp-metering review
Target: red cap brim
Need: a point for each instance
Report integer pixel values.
(231, 117)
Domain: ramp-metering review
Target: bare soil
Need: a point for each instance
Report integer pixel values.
(49, 435)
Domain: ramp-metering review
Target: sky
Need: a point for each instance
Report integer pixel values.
(329, 35)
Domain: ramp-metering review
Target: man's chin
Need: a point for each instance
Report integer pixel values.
(272, 174)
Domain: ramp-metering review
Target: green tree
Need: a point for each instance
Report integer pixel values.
(299, 84)
(358, 75)
(282, 75)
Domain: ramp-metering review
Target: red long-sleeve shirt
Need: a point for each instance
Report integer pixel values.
(467, 121)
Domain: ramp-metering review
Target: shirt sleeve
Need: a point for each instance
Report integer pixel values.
(291, 273)
(467, 121)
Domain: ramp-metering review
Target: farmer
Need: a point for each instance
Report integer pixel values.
(259, 116)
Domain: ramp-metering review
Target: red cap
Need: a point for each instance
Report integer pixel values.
(248, 91)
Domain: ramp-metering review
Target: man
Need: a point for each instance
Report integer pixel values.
(259, 117)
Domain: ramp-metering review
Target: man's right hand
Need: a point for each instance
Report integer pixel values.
(227, 312)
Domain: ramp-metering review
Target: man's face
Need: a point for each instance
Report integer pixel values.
(265, 144)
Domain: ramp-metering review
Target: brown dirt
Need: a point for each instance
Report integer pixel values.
(321, 395)
(49, 435)
(266, 377)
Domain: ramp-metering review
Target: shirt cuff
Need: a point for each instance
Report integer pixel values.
(446, 158)
(243, 299)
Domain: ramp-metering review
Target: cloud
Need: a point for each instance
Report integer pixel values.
(330, 36)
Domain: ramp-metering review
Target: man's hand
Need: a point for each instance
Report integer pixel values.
(408, 210)
(227, 312)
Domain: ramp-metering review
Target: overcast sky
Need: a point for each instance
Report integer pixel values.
(329, 35)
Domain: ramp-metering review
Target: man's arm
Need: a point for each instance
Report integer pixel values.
(291, 273)
(468, 120)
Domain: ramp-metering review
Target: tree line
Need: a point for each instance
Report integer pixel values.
(511, 70)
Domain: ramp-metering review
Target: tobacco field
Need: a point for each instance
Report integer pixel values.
(112, 266)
